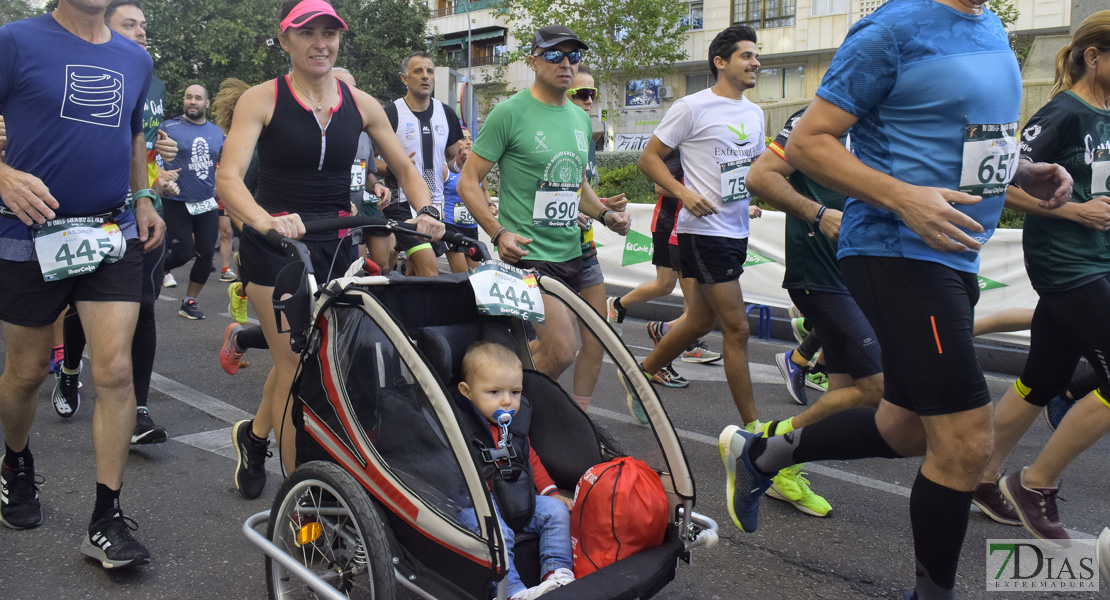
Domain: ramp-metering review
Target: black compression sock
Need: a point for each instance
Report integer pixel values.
(809, 346)
(73, 336)
(938, 516)
(251, 337)
(845, 435)
(18, 460)
(107, 500)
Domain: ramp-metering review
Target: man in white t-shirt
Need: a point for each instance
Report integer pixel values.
(720, 133)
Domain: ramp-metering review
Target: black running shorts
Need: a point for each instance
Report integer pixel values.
(569, 272)
(712, 259)
(29, 301)
(847, 339)
(923, 314)
(1066, 326)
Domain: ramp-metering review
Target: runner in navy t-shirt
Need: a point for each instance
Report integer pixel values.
(72, 93)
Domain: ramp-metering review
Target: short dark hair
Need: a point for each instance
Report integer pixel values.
(726, 42)
(585, 70)
(421, 54)
(115, 4)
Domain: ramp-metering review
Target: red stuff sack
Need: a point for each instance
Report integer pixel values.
(620, 508)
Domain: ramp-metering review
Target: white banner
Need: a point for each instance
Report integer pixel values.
(627, 262)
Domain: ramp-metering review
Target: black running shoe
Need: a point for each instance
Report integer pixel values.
(67, 396)
(250, 472)
(190, 310)
(19, 498)
(110, 541)
(146, 432)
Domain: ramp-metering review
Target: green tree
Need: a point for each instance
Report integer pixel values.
(14, 10)
(627, 38)
(207, 41)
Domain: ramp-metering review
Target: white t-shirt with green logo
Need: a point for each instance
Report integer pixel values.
(719, 139)
(542, 151)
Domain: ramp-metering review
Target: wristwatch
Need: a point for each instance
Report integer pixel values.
(429, 210)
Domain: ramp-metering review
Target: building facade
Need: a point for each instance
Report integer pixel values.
(797, 40)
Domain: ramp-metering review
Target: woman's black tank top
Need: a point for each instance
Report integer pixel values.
(302, 168)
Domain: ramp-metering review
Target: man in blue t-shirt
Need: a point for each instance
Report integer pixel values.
(72, 94)
(931, 92)
(192, 216)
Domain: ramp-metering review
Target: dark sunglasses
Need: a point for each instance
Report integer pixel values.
(556, 56)
(582, 93)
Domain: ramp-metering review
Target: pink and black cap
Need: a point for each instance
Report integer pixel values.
(308, 10)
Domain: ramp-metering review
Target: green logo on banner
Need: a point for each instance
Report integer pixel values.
(755, 259)
(989, 284)
(637, 249)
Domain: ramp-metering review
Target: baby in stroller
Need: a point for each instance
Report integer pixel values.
(525, 497)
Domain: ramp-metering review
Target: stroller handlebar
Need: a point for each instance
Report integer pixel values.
(474, 249)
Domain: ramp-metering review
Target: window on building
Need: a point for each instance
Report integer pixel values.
(764, 14)
(642, 93)
(695, 18)
(697, 83)
(829, 7)
(779, 83)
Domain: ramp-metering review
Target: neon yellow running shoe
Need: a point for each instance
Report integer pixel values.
(237, 304)
(789, 485)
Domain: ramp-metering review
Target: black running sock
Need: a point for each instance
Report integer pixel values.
(251, 337)
(818, 368)
(809, 346)
(254, 438)
(73, 338)
(107, 500)
(18, 460)
(617, 304)
(845, 435)
(938, 516)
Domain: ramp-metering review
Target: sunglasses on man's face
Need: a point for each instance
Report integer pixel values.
(556, 56)
(582, 94)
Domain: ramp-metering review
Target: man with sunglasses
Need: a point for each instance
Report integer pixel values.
(541, 143)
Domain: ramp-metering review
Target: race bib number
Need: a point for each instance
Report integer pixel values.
(463, 216)
(1100, 173)
(990, 158)
(358, 176)
(199, 208)
(556, 205)
(77, 246)
(734, 180)
(502, 289)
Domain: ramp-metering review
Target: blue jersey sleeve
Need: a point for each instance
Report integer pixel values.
(864, 69)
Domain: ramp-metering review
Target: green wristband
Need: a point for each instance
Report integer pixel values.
(146, 193)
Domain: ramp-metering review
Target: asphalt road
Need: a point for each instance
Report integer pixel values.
(182, 495)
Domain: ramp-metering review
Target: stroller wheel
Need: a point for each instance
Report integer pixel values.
(323, 519)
